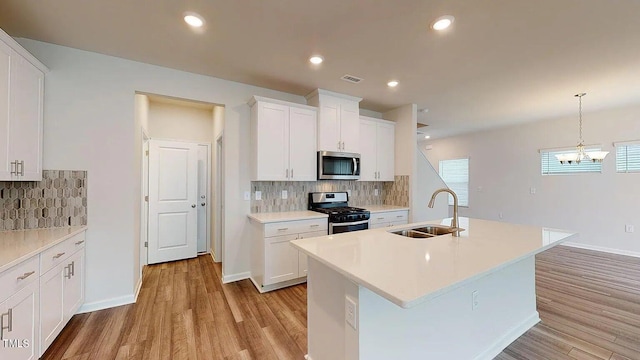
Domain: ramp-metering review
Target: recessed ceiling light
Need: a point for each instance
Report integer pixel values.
(392, 83)
(442, 22)
(193, 19)
(316, 59)
(427, 137)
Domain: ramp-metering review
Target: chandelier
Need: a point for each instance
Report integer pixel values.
(581, 154)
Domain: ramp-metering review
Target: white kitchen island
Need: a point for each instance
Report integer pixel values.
(436, 298)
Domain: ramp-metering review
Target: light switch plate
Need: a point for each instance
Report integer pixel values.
(247, 195)
(532, 191)
(629, 228)
(258, 195)
(285, 194)
(375, 192)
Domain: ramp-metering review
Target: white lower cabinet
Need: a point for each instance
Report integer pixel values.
(274, 262)
(61, 287)
(388, 218)
(19, 320)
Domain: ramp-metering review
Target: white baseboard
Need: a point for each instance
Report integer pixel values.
(138, 287)
(213, 256)
(106, 304)
(603, 249)
(517, 331)
(235, 277)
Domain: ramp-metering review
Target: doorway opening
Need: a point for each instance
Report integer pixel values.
(182, 179)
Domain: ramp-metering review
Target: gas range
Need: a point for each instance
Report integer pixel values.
(342, 217)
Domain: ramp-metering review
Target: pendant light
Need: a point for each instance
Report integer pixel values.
(581, 154)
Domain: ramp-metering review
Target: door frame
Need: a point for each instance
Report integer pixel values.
(208, 198)
(144, 204)
(218, 246)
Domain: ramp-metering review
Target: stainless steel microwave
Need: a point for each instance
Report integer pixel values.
(334, 165)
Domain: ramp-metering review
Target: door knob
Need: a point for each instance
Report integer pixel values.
(202, 204)
(193, 205)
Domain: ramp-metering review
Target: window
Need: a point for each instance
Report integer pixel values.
(455, 174)
(551, 165)
(628, 156)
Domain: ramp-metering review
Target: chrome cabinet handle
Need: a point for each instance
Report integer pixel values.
(73, 268)
(193, 206)
(283, 229)
(14, 165)
(339, 145)
(66, 272)
(58, 255)
(22, 168)
(292, 173)
(9, 326)
(287, 174)
(25, 275)
(79, 242)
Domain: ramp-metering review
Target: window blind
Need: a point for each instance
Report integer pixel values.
(455, 174)
(551, 166)
(628, 158)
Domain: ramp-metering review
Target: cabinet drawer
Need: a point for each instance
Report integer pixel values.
(57, 254)
(19, 276)
(294, 227)
(388, 217)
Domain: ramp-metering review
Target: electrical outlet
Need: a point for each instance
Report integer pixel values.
(285, 194)
(258, 195)
(500, 215)
(532, 191)
(375, 192)
(629, 228)
(351, 312)
(247, 195)
(349, 193)
(474, 300)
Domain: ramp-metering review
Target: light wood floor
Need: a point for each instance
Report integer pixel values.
(589, 303)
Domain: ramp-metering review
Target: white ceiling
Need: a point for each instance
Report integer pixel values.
(502, 62)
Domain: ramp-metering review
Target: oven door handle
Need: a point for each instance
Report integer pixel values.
(359, 222)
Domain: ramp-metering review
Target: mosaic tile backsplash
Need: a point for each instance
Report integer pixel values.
(362, 193)
(60, 199)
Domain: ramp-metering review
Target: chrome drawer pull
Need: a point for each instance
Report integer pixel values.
(79, 242)
(315, 225)
(26, 275)
(67, 271)
(73, 268)
(399, 216)
(283, 229)
(381, 218)
(58, 255)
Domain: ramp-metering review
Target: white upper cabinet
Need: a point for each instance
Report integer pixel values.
(283, 140)
(338, 121)
(21, 112)
(377, 146)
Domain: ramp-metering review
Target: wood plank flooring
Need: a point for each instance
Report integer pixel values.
(589, 303)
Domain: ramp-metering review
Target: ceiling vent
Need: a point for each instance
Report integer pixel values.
(350, 78)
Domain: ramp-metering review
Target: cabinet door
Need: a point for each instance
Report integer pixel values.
(350, 126)
(302, 144)
(302, 257)
(51, 306)
(329, 125)
(368, 167)
(272, 158)
(21, 342)
(73, 295)
(378, 225)
(385, 151)
(280, 259)
(5, 68)
(27, 88)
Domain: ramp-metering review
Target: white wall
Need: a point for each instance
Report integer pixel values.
(505, 164)
(428, 181)
(180, 122)
(90, 125)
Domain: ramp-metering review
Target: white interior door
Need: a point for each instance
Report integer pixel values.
(173, 192)
(203, 197)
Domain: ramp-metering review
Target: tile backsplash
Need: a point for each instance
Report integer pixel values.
(362, 193)
(60, 199)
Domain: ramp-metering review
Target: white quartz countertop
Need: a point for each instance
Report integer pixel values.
(384, 208)
(271, 217)
(19, 245)
(409, 271)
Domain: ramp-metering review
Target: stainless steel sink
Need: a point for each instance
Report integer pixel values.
(428, 231)
(436, 230)
(412, 234)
